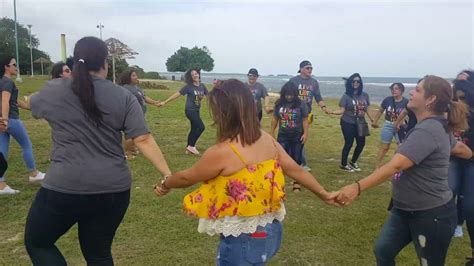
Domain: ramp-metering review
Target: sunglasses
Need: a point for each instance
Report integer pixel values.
(356, 81)
(67, 70)
(251, 76)
(11, 65)
(308, 68)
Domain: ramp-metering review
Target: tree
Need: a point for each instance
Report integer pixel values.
(118, 51)
(186, 58)
(7, 45)
(120, 66)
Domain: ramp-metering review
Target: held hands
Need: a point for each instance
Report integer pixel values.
(328, 111)
(330, 198)
(268, 110)
(161, 104)
(160, 190)
(347, 194)
(375, 125)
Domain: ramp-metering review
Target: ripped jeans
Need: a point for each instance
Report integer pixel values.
(429, 230)
(250, 249)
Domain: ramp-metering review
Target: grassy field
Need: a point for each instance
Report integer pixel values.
(156, 232)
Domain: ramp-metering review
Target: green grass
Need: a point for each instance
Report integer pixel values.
(156, 232)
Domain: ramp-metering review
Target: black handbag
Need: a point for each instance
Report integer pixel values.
(362, 127)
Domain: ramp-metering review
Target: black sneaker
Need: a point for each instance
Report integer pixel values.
(346, 168)
(355, 166)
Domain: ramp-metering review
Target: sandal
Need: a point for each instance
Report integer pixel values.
(296, 187)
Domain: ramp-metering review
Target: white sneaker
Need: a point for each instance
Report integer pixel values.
(458, 231)
(192, 150)
(8, 191)
(307, 168)
(38, 178)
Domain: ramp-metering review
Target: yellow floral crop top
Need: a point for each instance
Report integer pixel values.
(254, 190)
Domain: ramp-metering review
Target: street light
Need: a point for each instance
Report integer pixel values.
(100, 27)
(18, 78)
(31, 51)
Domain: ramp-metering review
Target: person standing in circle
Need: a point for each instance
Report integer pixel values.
(259, 92)
(354, 106)
(392, 106)
(195, 92)
(129, 80)
(60, 70)
(88, 182)
(12, 125)
(308, 88)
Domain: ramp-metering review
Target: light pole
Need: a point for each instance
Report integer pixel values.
(31, 52)
(100, 27)
(18, 78)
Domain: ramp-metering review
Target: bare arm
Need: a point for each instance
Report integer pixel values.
(375, 123)
(398, 163)
(147, 145)
(171, 98)
(149, 100)
(305, 130)
(462, 151)
(273, 126)
(296, 172)
(339, 112)
(209, 166)
(369, 110)
(268, 107)
(5, 104)
(323, 107)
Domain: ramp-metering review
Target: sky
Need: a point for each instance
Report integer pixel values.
(375, 38)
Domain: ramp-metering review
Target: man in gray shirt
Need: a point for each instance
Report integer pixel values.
(259, 92)
(308, 88)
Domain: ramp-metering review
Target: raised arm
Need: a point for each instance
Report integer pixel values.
(171, 98)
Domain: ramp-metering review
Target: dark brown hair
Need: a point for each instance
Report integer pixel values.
(57, 70)
(126, 77)
(90, 54)
(234, 112)
(457, 111)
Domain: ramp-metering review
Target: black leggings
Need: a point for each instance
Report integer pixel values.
(349, 131)
(197, 126)
(53, 213)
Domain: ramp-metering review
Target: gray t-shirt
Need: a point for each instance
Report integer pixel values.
(195, 94)
(290, 119)
(425, 185)
(6, 84)
(137, 92)
(307, 90)
(259, 92)
(86, 159)
(354, 106)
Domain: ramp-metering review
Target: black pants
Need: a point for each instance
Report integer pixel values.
(349, 131)
(430, 231)
(53, 213)
(197, 126)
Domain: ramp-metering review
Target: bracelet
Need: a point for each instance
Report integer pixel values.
(358, 187)
(164, 180)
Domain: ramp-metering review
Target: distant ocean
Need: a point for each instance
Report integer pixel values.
(331, 87)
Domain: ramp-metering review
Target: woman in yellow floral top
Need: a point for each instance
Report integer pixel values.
(243, 187)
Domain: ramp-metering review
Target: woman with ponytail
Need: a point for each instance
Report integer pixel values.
(423, 209)
(89, 181)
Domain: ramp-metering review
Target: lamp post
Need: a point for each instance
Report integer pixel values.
(100, 27)
(18, 78)
(31, 52)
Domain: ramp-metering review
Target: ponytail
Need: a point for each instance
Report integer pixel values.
(90, 54)
(457, 116)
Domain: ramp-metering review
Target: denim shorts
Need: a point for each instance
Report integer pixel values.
(250, 249)
(388, 133)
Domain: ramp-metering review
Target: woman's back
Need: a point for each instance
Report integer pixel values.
(81, 150)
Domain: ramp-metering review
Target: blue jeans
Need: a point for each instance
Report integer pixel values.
(292, 145)
(429, 230)
(388, 133)
(17, 130)
(461, 181)
(250, 249)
